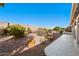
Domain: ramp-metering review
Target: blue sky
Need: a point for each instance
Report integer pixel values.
(38, 14)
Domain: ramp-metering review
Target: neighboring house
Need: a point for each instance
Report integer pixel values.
(75, 21)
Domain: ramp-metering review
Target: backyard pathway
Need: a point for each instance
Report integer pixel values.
(63, 46)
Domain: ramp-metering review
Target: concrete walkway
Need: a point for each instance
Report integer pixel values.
(63, 46)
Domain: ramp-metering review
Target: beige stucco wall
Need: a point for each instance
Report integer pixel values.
(74, 32)
(77, 29)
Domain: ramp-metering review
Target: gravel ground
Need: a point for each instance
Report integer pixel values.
(16, 47)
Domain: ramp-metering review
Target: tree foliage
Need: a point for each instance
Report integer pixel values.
(57, 28)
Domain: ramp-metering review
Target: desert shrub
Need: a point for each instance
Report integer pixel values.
(29, 30)
(3, 31)
(16, 30)
(41, 31)
(47, 36)
(49, 30)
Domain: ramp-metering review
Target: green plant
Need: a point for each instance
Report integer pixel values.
(16, 30)
(57, 28)
(5, 31)
(29, 30)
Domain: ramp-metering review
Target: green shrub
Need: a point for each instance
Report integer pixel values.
(57, 28)
(16, 30)
(29, 30)
(5, 31)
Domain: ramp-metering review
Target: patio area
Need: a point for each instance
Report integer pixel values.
(63, 46)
